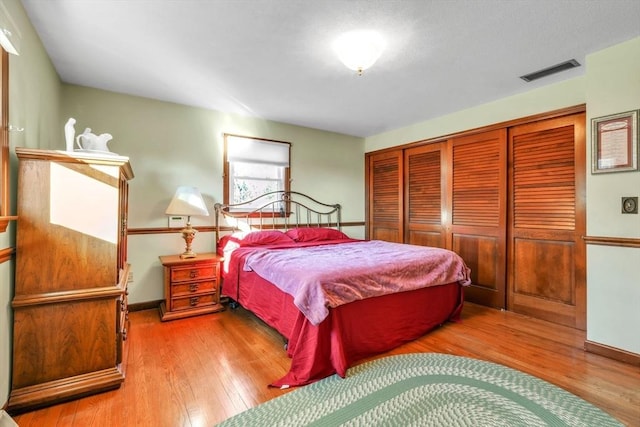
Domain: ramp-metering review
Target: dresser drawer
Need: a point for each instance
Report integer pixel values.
(193, 272)
(194, 301)
(184, 289)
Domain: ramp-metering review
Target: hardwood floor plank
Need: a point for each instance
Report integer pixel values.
(198, 371)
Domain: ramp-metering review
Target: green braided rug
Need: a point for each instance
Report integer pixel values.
(427, 390)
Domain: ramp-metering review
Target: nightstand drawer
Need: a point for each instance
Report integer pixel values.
(193, 272)
(183, 289)
(193, 301)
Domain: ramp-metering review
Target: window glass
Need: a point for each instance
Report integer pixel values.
(250, 180)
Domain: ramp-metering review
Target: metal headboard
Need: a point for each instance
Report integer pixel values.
(277, 210)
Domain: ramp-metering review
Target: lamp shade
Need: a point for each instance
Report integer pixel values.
(359, 49)
(188, 202)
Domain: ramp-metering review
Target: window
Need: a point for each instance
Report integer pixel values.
(4, 140)
(253, 167)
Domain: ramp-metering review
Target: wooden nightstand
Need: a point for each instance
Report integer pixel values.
(191, 286)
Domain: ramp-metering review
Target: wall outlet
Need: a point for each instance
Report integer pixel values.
(177, 221)
(630, 205)
(130, 278)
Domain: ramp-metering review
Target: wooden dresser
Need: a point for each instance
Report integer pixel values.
(191, 286)
(70, 301)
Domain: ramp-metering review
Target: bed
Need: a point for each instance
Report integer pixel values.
(334, 299)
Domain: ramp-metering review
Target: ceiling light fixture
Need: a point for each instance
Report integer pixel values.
(359, 49)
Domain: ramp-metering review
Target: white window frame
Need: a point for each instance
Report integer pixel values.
(247, 150)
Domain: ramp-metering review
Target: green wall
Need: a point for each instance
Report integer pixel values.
(547, 98)
(170, 145)
(613, 272)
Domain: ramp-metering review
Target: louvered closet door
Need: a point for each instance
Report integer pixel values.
(425, 195)
(547, 254)
(477, 230)
(384, 198)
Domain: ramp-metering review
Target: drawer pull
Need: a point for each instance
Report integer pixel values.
(193, 274)
(193, 301)
(193, 287)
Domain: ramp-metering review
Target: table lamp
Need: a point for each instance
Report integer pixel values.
(187, 202)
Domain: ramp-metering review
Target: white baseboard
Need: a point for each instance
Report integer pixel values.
(6, 420)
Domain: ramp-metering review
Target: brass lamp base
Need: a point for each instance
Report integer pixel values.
(189, 254)
(188, 233)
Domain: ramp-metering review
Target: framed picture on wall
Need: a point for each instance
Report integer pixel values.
(614, 142)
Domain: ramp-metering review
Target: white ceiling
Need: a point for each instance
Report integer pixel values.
(273, 58)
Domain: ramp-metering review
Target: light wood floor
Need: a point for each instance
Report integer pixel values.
(199, 371)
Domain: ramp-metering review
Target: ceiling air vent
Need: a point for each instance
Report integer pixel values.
(567, 65)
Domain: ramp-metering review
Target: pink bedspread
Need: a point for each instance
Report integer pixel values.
(319, 277)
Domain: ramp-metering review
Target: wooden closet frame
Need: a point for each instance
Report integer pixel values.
(580, 321)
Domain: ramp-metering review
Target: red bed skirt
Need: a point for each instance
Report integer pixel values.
(352, 331)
